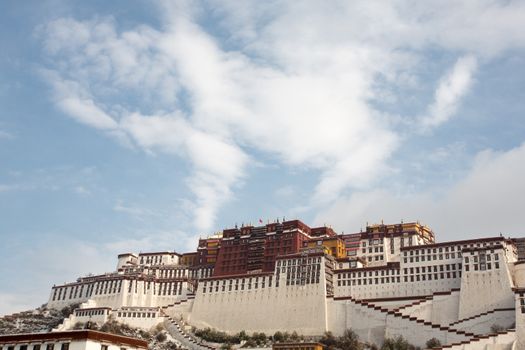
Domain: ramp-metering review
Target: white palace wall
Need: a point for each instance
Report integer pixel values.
(520, 318)
(118, 292)
(139, 317)
(445, 308)
(483, 323)
(271, 303)
(373, 325)
(486, 289)
(437, 291)
(272, 309)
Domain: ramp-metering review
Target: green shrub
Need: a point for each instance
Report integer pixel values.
(161, 337)
(79, 325)
(495, 328)
(398, 343)
(433, 343)
(250, 343)
(278, 336)
(348, 341)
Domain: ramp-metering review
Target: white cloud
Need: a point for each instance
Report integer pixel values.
(452, 87)
(293, 80)
(486, 202)
(287, 191)
(5, 135)
(133, 210)
(218, 164)
(81, 190)
(7, 188)
(78, 103)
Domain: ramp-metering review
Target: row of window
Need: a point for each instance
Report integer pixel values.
(238, 286)
(170, 273)
(152, 260)
(61, 293)
(482, 266)
(303, 281)
(108, 287)
(445, 249)
(304, 268)
(302, 274)
(373, 250)
(385, 272)
(432, 276)
(482, 258)
(440, 256)
(375, 258)
(84, 313)
(351, 264)
(49, 346)
(299, 261)
(159, 288)
(115, 286)
(397, 279)
(435, 268)
(366, 281)
(137, 314)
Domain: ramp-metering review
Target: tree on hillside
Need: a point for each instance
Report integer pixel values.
(278, 336)
(328, 340)
(349, 341)
(433, 343)
(398, 343)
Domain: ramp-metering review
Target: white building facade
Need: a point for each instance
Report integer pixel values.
(71, 340)
(457, 292)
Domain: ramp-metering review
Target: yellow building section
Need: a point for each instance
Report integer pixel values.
(190, 259)
(334, 245)
(423, 231)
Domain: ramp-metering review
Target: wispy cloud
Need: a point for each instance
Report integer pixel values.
(292, 80)
(452, 87)
(5, 135)
(8, 188)
(81, 190)
(485, 201)
(133, 210)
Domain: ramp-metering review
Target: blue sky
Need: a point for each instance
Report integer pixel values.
(136, 126)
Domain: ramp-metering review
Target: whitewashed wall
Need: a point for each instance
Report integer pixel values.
(269, 309)
(485, 290)
(483, 323)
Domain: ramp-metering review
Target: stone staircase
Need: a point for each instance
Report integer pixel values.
(494, 341)
(421, 330)
(461, 322)
(188, 341)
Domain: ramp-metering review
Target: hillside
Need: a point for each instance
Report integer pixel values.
(43, 320)
(33, 321)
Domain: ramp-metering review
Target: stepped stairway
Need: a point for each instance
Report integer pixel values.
(421, 308)
(187, 340)
(500, 341)
(405, 308)
(176, 329)
(478, 316)
(179, 302)
(419, 330)
(397, 313)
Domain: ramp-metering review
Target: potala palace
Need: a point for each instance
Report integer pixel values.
(386, 281)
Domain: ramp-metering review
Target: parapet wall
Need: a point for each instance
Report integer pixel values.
(301, 308)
